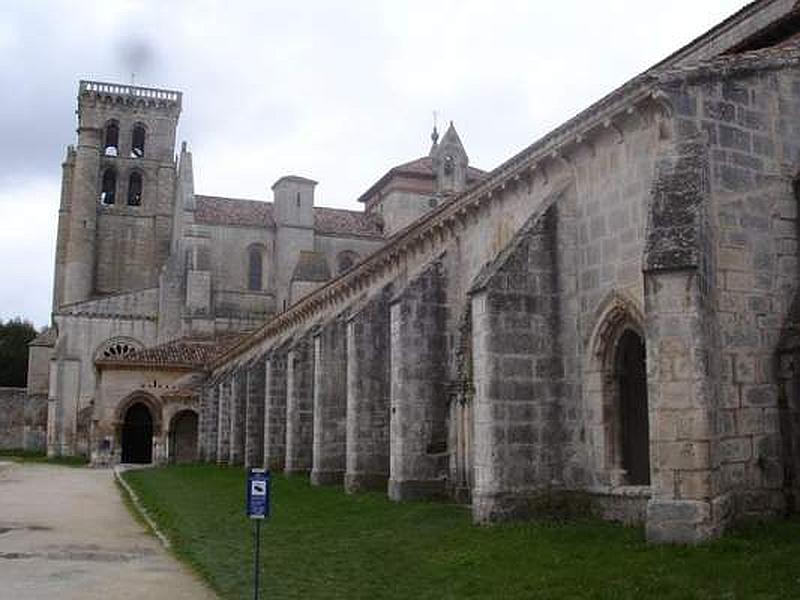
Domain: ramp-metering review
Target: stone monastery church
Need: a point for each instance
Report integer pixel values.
(607, 322)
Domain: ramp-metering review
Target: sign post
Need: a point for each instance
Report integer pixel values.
(258, 507)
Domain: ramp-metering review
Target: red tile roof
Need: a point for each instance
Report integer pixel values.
(347, 222)
(184, 353)
(214, 210)
(421, 167)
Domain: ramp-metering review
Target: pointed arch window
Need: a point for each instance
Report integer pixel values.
(255, 269)
(135, 189)
(137, 141)
(108, 189)
(111, 141)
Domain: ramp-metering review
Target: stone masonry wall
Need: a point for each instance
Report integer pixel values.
(330, 403)
(23, 420)
(749, 119)
(275, 410)
(418, 359)
(254, 424)
(368, 395)
(517, 376)
(300, 406)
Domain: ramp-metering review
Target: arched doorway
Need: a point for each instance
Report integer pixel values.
(137, 435)
(183, 437)
(631, 375)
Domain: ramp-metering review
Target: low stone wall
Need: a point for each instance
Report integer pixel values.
(23, 419)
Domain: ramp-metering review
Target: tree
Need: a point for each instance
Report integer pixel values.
(15, 334)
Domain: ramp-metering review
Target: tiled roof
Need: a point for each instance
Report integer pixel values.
(184, 352)
(421, 167)
(347, 222)
(424, 166)
(214, 210)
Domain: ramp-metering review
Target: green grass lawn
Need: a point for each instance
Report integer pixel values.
(33, 456)
(322, 543)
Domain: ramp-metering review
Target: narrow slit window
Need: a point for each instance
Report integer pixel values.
(111, 143)
(137, 141)
(135, 189)
(108, 189)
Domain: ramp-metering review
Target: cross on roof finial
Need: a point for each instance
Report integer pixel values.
(434, 133)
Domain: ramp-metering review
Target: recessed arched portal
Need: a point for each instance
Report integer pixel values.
(183, 437)
(137, 434)
(631, 374)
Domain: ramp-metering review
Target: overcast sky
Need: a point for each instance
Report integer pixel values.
(336, 91)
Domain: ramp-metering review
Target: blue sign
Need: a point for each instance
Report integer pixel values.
(258, 493)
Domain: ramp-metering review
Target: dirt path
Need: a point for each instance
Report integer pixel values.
(65, 533)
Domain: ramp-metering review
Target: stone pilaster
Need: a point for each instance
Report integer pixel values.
(300, 406)
(330, 403)
(254, 426)
(224, 421)
(368, 397)
(209, 423)
(517, 370)
(275, 410)
(418, 429)
(238, 404)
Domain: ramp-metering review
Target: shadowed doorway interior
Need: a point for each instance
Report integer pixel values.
(137, 435)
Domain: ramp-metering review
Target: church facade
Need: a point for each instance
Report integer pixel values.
(605, 323)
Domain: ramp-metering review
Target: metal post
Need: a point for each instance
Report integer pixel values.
(256, 564)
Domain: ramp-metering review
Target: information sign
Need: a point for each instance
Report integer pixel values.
(258, 484)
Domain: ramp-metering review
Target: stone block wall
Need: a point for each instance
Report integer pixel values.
(254, 414)
(749, 121)
(23, 420)
(330, 403)
(517, 376)
(418, 357)
(275, 409)
(300, 406)
(368, 395)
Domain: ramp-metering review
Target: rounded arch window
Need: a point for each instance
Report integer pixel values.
(137, 141)
(108, 188)
(111, 139)
(118, 348)
(135, 186)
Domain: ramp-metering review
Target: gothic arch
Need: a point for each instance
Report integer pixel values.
(616, 394)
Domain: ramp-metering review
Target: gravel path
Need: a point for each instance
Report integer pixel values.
(65, 533)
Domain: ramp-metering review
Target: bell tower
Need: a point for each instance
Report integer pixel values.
(117, 193)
